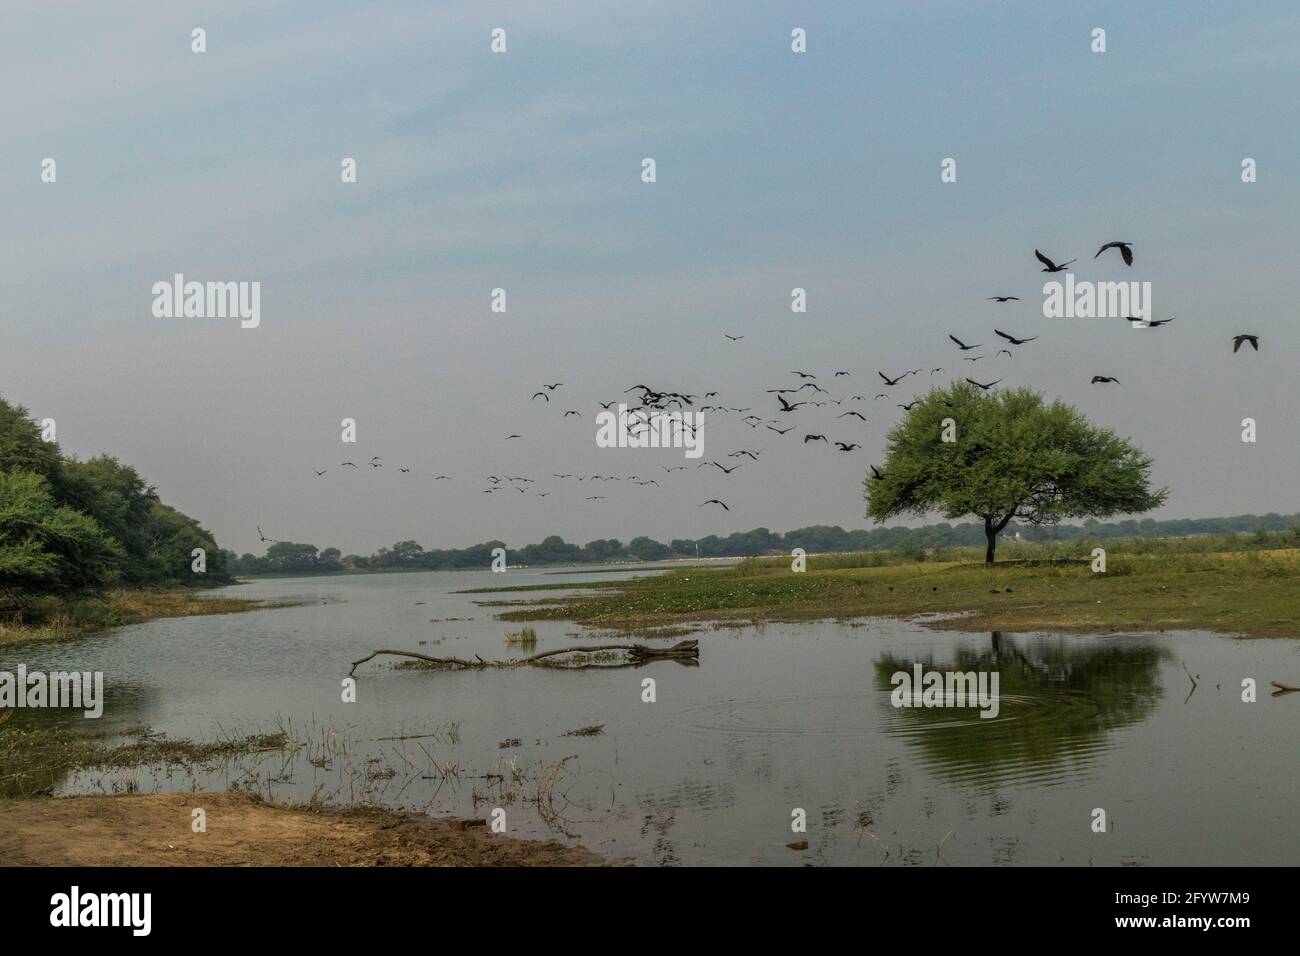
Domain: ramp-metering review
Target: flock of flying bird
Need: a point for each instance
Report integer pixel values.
(808, 393)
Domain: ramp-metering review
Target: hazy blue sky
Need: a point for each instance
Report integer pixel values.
(522, 171)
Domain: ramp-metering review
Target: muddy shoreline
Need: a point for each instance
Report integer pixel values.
(241, 830)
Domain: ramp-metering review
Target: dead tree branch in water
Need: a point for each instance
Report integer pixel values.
(685, 652)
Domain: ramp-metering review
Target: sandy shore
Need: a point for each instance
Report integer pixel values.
(154, 830)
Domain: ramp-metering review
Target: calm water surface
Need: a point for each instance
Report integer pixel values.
(774, 718)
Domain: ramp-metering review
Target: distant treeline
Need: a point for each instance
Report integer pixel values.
(287, 558)
(72, 525)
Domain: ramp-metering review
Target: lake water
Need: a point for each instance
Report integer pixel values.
(774, 719)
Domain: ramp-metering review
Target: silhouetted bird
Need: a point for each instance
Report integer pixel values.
(734, 338)
(1125, 250)
(875, 474)
(808, 438)
(1237, 340)
(1101, 379)
(962, 345)
(982, 385)
(1012, 339)
(1003, 298)
(1048, 264)
(714, 501)
(844, 447)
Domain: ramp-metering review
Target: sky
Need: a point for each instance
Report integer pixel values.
(522, 171)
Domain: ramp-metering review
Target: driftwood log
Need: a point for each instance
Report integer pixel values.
(683, 651)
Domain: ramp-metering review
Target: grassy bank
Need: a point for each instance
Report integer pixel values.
(1254, 592)
(52, 617)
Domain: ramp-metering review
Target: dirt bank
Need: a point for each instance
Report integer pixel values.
(154, 830)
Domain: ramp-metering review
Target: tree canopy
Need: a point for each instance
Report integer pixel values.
(1004, 455)
(67, 524)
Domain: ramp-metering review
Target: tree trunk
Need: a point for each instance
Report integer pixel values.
(991, 536)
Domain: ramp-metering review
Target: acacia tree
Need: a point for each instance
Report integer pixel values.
(1003, 455)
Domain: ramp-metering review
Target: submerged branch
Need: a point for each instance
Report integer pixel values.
(639, 653)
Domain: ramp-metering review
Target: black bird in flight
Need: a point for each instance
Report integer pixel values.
(1125, 250)
(1006, 352)
(781, 431)
(786, 406)
(933, 370)
(571, 412)
(911, 405)
(264, 537)
(1156, 323)
(674, 468)
(734, 338)
(808, 438)
(404, 471)
(323, 470)
(981, 385)
(441, 477)
(838, 374)
(1003, 298)
(1013, 340)
(804, 374)
(1048, 264)
(725, 471)
(1101, 379)
(508, 437)
(962, 345)
(1237, 341)
(972, 358)
(376, 464)
(542, 394)
(844, 447)
(605, 405)
(552, 387)
(875, 473)
(714, 501)
(347, 464)
(595, 498)
(892, 381)
(854, 414)
(752, 454)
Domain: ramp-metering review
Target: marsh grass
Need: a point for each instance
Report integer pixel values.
(51, 617)
(1255, 592)
(526, 637)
